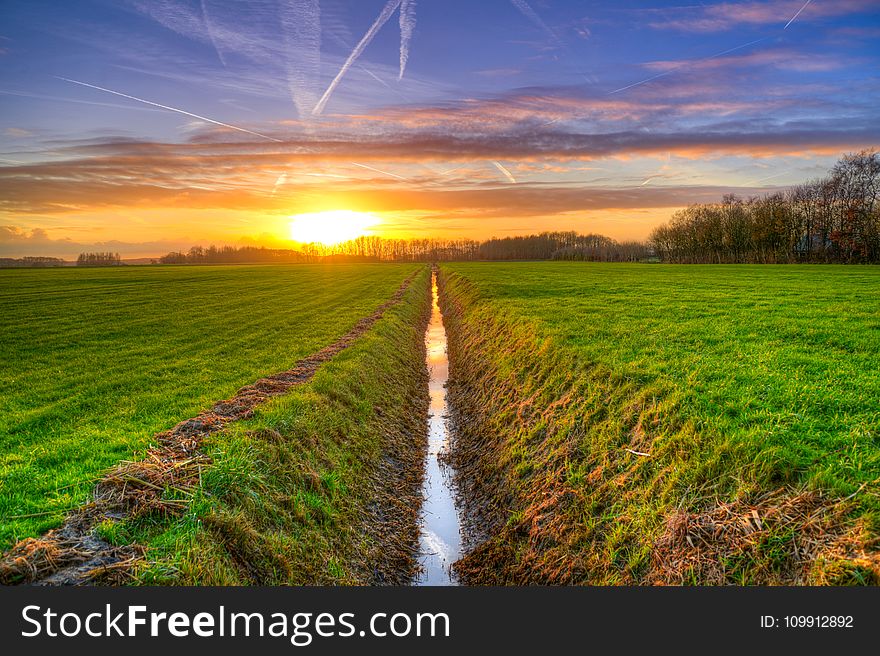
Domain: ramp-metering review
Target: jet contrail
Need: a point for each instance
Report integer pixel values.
(527, 11)
(507, 174)
(325, 175)
(41, 96)
(170, 109)
(210, 30)
(407, 26)
(769, 177)
(646, 80)
(797, 14)
(688, 64)
(370, 168)
(279, 182)
(386, 13)
(301, 22)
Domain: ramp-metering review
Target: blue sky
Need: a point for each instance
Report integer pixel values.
(510, 115)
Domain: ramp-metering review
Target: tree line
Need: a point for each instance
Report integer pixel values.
(543, 246)
(99, 259)
(12, 262)
(833, 219)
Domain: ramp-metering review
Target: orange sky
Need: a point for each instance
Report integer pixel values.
(172, 124)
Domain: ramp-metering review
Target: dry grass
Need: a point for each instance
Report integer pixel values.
(790, 537)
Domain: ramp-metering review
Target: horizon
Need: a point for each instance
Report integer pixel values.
(146, 128)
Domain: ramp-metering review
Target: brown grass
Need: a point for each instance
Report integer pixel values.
(812, 543)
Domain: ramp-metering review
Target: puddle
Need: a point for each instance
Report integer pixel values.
(440, 528)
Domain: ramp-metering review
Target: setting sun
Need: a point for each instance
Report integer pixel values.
(331, 227)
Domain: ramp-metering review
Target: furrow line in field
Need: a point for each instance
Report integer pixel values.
(73, 554)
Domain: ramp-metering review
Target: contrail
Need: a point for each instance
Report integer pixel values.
(527, 11)
(797, 14)
(325, 175)
(507, 174)
(448, 171)
(370, 168)
(41, 96)
(688, 64)
(279, 182)
(646, 80)
(407, 26)
(210, 30)
(769, 177)
(170, 109)
(390, 7)
(301, 22)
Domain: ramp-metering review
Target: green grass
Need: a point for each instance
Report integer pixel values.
(93, 362)
(737, 379)
(301, 493)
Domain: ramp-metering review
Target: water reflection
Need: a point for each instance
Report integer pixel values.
(440, 530)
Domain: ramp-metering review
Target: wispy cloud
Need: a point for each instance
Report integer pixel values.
(301, 22)
(170, 109)
(279, 36)
(726, 16)
(206, 16)
(386, 13)
(407, 27)
(681, 66)
(526, 10)
(780, 58)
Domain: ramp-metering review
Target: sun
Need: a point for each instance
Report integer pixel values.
(331, 227)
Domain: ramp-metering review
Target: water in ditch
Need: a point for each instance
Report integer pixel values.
(440, 528)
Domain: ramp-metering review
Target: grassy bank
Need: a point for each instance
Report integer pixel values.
(661, 424)
(93, 362)
(320, 486)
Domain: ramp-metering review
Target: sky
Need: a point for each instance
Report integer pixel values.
(143, 126)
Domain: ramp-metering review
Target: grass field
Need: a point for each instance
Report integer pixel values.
(93, 362)
(730, 381)
(321, 486)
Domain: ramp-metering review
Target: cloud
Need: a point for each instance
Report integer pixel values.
(728, 16)
(407, 27)
(98, 175)
(10, 234)
(16, 241)
(274, 35)
(526, 10)
(785, 59)
(17, 133)
(169, 108)
(386, 13)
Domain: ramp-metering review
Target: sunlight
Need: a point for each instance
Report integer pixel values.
(331, 227)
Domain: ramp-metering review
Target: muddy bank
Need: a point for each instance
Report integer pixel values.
(564, 479)
(483, 496)
(161, 483)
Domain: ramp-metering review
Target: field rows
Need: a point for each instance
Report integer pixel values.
(94, 362)
(611, 423)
